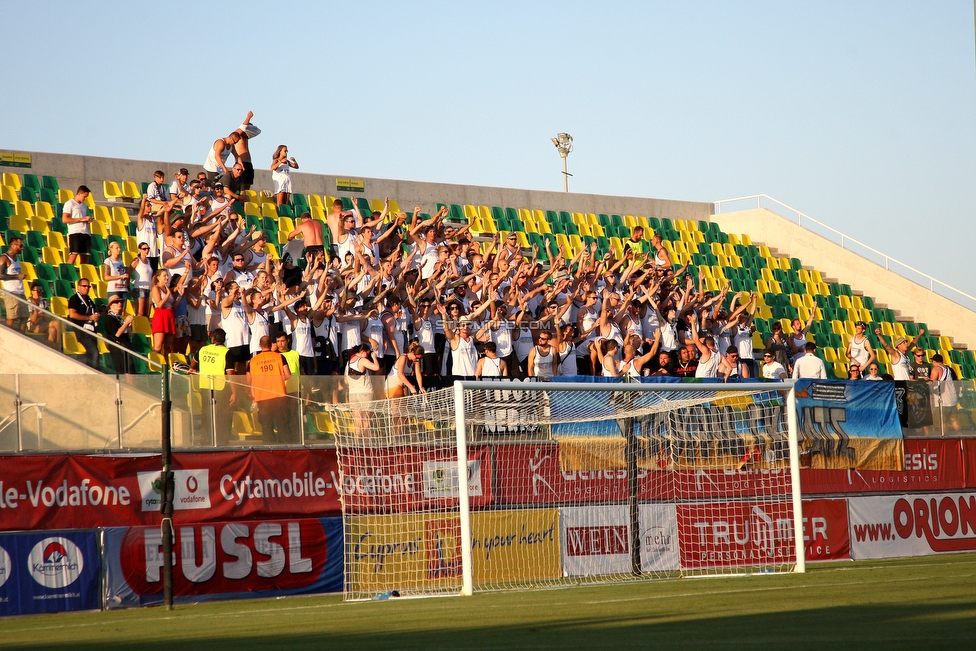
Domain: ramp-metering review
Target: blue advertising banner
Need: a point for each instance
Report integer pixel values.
(49, 572)
(846, 424)
(225, 560)
(855, 408)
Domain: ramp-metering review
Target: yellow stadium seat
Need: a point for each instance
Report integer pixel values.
(271, 250)
(269, 210)
(485, 211)
(584, 230)
(830, 356)
(539, 216)
(563, 241)
(718, 274)
(856, 303)
(115, 228)
(899, 329)
(762, 286)
(120, 215)
(477, 228)
(252, 208)
(64, 195)
(59, 305)
(18, 223)
(326, 200)
(525, 215)
(102, 214)
(728, 249)
(845, 302)
(70, 345)
(51, 255)
(156, 362)
(27, 269)
(944, 343)
(796, 302)
(882, 355)
(840, 370)
(176, 358)
(617, 247)
(131, 191)
(266, 196)
(597, 230)
(141, 325)
(88, 272)
(286, 224)
(733, 239)
(7, 193)
(131, 244)
(39, 225)
(712, 285)
(317, 213)
(679, 247)
(470, 211)
(24, 208)
(716, 249)
(723, 261)
(887, 330)
(764, 312)
(98, 228)
(394, 206)
(44, 210)
(112, 191)
(803, 276)
(745, 240)
(12, 180)
(127, 258)
(631, 222)
(757, 341)
(313, 200)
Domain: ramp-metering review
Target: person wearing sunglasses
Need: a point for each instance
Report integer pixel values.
(82, 313)
(874, 373)
(854, 372)
(918, 368)
(141, 274)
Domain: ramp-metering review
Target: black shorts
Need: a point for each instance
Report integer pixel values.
(198, 332)
(315, 249)
(247, 178)
(239, 354)
(79, 243)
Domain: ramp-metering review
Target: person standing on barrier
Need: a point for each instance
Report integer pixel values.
(13, 284)
(82, 313)
(944, 397)
(214, 365)
(267, 373)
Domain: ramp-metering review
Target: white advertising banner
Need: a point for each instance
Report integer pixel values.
(893, 526)
(596, 539)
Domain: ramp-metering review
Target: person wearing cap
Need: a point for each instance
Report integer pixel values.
(899, 353)
(859, 349)
(809, 365)
(13, 283)
(157, 194)
(39, 322)
(117, 329)
(179, 188)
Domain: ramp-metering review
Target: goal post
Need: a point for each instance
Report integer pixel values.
(511, 485)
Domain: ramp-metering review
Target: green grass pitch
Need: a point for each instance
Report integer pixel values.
(916, 603)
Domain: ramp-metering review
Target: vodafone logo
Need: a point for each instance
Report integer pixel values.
(192, 490)
(192, 484)
(55, 562)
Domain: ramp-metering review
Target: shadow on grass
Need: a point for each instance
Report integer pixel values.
(796, 626)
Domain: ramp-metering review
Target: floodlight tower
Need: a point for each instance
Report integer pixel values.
(564, 143)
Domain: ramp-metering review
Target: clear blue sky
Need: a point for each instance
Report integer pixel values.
(860, 114)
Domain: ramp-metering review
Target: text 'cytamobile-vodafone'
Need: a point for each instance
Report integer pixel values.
(192, 490)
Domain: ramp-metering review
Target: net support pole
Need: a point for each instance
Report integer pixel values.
(467, 571)
(794, 440)
(166, 504)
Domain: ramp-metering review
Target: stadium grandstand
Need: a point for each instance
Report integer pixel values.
(787, 285)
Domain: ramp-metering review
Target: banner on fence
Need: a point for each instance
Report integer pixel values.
(892, 526)
(930, 464)
(78, 491)
(225, 560)
(382, 479)
(846, 424)
(749, 533)
(826, 535)
(49, 572)
(596, 540)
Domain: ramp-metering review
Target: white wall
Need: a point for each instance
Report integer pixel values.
(900, 294)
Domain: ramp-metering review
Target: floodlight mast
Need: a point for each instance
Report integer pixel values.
(564, 143)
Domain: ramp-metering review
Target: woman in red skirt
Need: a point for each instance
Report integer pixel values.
(163, 320)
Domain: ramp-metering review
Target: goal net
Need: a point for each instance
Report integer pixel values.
(566, 484)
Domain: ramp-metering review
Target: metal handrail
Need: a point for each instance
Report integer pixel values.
(844, 239)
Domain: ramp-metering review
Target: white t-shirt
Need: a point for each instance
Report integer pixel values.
(76, 210)
(809, 366)
(773, 371)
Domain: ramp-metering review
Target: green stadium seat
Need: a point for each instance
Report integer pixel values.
(51, 183)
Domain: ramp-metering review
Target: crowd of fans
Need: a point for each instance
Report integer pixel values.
(416, 298)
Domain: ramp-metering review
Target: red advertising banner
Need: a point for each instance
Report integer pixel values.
(531, 474)
(225, 559)
(929, 465)
(826, 534)
(969, 461)
(744, 533)
(78, 491)
(401, 480)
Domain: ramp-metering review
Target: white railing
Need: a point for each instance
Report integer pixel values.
(845, 241)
